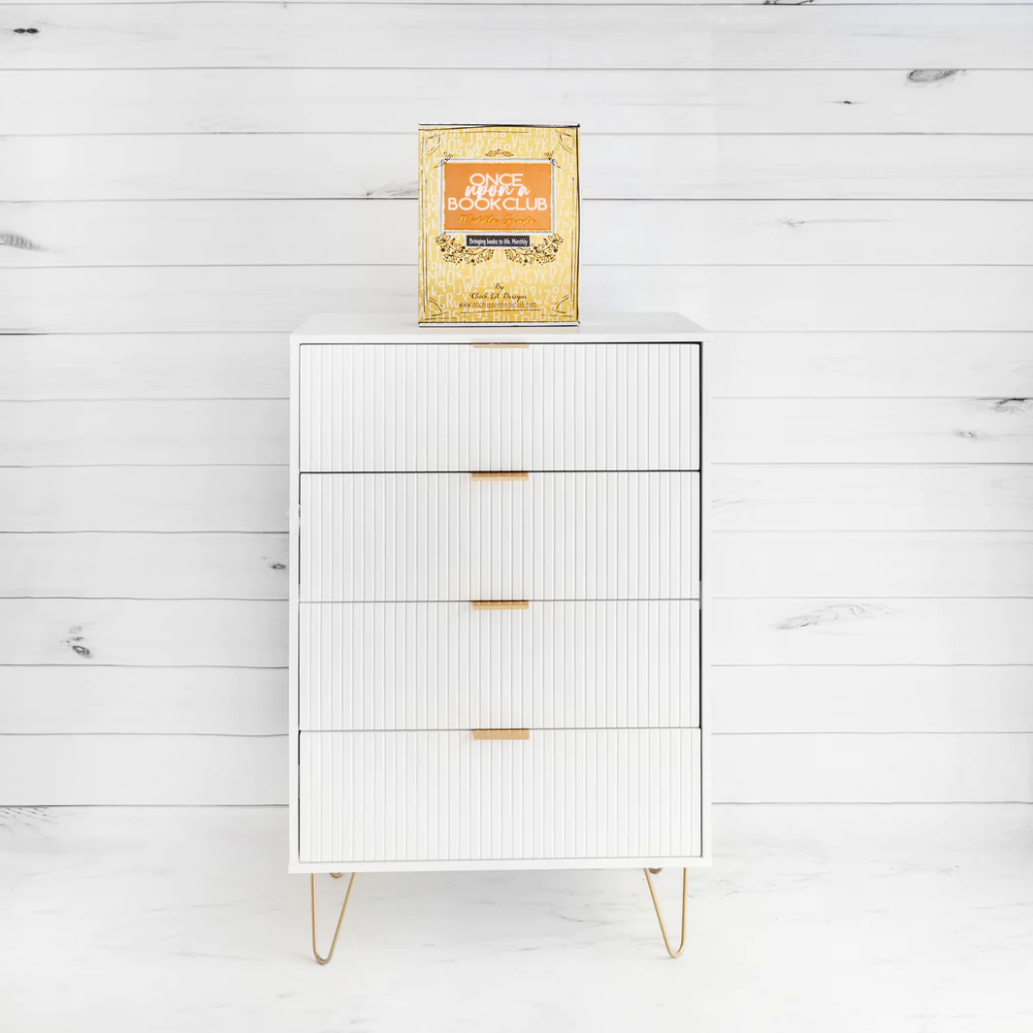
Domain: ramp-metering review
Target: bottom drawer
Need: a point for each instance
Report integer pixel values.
(445, 796)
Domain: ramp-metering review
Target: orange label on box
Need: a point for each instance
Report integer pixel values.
(507, 196)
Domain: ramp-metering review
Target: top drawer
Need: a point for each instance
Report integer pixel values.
(457, 407)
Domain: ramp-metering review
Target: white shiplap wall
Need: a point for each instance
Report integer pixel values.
(843, 191)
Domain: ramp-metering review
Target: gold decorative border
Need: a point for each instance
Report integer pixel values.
(453, 251)
(538, 254)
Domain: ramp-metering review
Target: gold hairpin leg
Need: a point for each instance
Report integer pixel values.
(340, 920)
(660, 917)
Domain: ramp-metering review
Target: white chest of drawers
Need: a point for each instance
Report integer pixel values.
(564, 724)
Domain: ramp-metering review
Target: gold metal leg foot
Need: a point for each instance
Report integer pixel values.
(340, 920)
(660, 917)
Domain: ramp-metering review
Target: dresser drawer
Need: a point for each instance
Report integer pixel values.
(387, 537)
(445, 796)
(448, 665)
(459, 407)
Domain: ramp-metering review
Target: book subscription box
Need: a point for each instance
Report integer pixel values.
(498, 224)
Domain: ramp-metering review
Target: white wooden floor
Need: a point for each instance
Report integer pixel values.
(857, 919)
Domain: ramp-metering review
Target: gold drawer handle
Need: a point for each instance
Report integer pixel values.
(502, 604)
(505, 475)
(501, 733)
(501, 344)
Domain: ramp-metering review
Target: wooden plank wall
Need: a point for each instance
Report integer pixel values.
(843, 191)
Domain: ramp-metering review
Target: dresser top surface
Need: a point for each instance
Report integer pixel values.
(614, 328)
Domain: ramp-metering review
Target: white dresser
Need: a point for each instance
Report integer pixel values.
(495, 603)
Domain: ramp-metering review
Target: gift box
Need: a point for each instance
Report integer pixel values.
(499, 218)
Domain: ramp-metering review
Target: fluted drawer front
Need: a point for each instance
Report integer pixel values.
(448, 665)
(436, 796)
(386, 537)
(416, 407)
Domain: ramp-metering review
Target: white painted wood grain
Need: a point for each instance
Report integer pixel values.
(871, 699)
(759, 364)
(840, 630)
(347, 100)
(851, 630)
(744, 498)
(796, 430)
(871, 563)
(808, 332)
(57, 700)
(144, 632)
(249, 166)
(343, 232)
(910, 365)
(149, 432)
(248, 701)
(871, 430)
(144, 566)
(742, 564)
(872, 498)
(266, 298)
(184, 769)
(42, 770)
(142, 498)
(542, 36)
(79, 366)
(874, 769)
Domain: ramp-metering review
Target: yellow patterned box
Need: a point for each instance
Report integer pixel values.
(498, 224)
